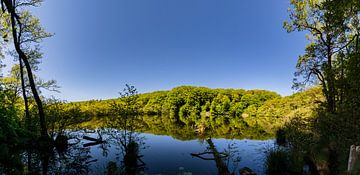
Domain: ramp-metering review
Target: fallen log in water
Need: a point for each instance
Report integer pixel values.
(93, 142)
(91, 139)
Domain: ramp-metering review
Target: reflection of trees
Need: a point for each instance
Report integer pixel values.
(126, 139)
(129, 143)
(163, 125)
(74, 159)
(222, 159)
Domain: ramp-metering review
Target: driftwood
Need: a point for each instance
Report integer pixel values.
(200, 155)
(93, 142)
(91, 139)
(353, 157)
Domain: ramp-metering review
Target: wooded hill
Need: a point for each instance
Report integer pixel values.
(196, 106)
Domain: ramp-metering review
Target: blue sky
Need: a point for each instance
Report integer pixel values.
(99, 46)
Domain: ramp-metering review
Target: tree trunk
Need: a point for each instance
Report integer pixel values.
(331, 80)
(27, 113)
(221, 166)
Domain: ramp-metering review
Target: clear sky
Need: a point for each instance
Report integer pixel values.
(99, 46)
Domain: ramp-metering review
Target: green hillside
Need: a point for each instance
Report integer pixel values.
(204, 107)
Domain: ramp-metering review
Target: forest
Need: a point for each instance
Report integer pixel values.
(198, 106)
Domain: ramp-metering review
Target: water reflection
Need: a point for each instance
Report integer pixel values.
(125, 146)
(222, 158)
(127, 141)
(120, 154)
(72, 160)
(128, 145)
(80, 157)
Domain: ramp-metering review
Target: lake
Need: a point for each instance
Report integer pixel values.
(153, 145)
(112, 151)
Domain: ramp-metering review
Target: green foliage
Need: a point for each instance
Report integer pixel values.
(220, 105)
(10, 130)
(274, 113)
(11, 136)
(60, 116)
(152, 102)
(186, 102)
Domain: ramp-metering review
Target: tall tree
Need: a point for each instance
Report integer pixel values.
(332, 25)
(26, 31)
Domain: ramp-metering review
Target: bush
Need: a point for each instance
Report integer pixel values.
(278, 162)
(281, 137)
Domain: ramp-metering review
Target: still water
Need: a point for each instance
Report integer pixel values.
(111, 151)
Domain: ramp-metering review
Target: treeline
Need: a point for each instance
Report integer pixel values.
(199, 106)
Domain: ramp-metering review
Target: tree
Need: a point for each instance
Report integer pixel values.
(332, 26)
(26, 34)
(332, 60)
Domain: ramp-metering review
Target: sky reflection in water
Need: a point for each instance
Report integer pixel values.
(166, 155)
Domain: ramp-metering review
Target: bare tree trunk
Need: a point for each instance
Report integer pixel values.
(27, 113)
(331, 80)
